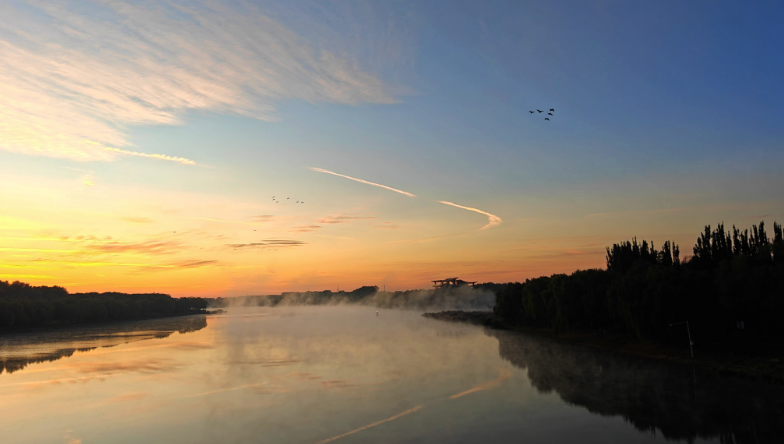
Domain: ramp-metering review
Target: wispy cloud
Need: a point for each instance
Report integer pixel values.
(69, 77)
(305, 228)
(151, 247)
(269, 243)
(342, 219)
(492, 219)
(186, 264)
(321, 170)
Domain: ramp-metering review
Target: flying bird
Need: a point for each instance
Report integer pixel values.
(531, 112)
(540, 110)
(546, 118)
(549, 114)
(551, 109)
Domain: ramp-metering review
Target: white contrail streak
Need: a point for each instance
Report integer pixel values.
(181, 160)
(320, 170)
(492, 219)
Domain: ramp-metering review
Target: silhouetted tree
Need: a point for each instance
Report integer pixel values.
(732, 277)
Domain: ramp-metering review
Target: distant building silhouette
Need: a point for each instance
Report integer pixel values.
(451, 282)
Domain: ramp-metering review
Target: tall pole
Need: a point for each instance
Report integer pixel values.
(688, 331)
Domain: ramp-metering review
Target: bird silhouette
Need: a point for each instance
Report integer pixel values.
(540, 110)
(549, 114)
(531, 112)
(546, 118)
(551, 109)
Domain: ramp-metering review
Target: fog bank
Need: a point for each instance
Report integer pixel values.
(450, 298)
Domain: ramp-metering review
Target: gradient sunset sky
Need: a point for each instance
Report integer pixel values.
(141, 142)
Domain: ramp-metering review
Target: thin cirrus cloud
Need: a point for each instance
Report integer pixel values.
(269, 243)
(149, 247)
(180, 265)
(75, 77)
(343, 219)
(305, 228)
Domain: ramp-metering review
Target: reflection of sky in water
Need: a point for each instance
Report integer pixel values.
(295, 375)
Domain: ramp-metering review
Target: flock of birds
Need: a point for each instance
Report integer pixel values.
(552, 110)
(288, 198)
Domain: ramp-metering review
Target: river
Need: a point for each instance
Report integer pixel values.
(346, 375)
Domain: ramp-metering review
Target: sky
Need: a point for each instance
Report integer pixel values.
(224, 148)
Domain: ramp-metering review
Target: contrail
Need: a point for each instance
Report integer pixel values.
(492, 219)
(320, 170)
(371, 425)
(181, 160)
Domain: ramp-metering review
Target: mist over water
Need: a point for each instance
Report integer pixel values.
(449, 298)
(342, 374)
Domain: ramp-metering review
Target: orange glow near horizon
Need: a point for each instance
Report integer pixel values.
(110, 237)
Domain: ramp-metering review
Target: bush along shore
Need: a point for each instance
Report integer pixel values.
(23, 306)
(730, 291)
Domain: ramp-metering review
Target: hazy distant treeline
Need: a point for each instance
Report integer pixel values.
(480, 297)
(23, 305)
(732, 277)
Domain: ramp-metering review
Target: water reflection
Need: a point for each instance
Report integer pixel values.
(344, 375)
(678, 402)
(21, 349)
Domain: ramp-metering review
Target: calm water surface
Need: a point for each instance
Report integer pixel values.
(345, 375)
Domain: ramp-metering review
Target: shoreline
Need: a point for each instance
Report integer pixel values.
(63, 326)
(767, 367)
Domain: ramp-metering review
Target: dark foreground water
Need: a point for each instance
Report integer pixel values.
(345, 375)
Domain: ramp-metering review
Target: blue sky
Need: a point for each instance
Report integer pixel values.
(666, 119)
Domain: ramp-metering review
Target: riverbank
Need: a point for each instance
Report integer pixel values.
(767, 366)
(110, 322)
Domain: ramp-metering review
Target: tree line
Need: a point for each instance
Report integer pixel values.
(731, 291)
(24, 305)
